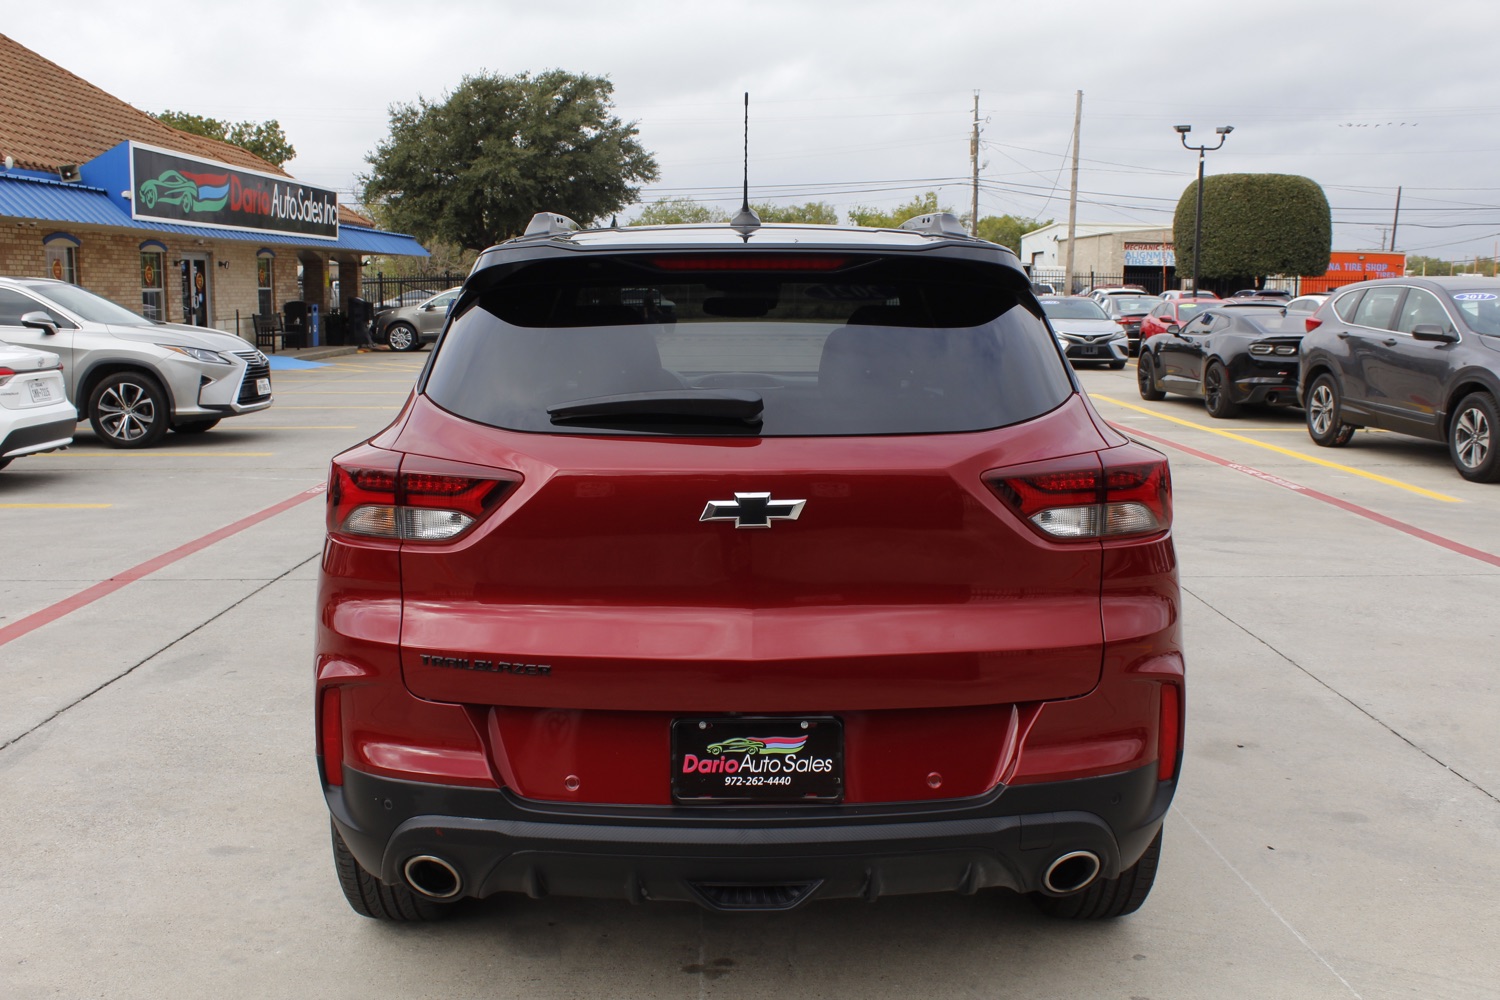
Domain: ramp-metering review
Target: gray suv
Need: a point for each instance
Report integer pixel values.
(134, 379)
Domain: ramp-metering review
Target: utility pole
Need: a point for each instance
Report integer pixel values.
(1073, 196)
(974, 158)
(1395, 219)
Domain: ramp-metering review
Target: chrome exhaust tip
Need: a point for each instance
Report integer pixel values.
(432, 877)
(1071, 872)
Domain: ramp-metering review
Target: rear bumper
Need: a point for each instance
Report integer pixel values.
(748, 857)
(49, 432)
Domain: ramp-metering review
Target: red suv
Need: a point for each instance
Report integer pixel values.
(826, 581)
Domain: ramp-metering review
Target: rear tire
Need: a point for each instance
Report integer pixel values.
(1324, 414)
(1117, 365)
(1216, 393)
(370, 897)
(1107, 898)
(1472, 441)
(1145, 380)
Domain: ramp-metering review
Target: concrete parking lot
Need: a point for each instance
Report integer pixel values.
(1333, 836)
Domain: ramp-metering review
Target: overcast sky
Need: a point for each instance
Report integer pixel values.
(869, 102)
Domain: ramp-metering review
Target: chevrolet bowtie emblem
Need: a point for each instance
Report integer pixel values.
(752, 510)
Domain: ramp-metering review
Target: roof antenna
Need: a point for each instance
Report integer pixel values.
(746, 220)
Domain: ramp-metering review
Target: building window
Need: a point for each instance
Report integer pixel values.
(62, 262)
(153, 286)
(264, 278)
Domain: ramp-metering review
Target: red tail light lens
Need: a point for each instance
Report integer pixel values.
(375, 494)
(1169, 732)
(1312, 323)
(1127, 494)
(331, 735)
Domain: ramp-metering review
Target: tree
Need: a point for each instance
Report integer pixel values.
(1007, 230)
(1256, 225)
(265, 139)
(677, 211)
(925, 204)
(1416, 264)
(816, 213)
(474, 168)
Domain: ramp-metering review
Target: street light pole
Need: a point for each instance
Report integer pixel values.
(1182, 133)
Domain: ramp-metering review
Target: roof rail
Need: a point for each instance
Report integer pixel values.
(936, 224)
(550, 224)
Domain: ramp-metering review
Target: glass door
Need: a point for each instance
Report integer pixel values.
(195, 290)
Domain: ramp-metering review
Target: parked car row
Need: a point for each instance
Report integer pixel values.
(1417, 356)
(132, 379)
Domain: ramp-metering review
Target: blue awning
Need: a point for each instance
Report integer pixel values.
(53, 201)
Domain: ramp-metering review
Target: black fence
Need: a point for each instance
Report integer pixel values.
(388, 293)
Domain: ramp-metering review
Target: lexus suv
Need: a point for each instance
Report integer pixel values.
(134, 379)
(830, 584)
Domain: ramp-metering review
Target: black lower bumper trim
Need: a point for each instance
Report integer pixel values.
(24, 440)
(748, 857)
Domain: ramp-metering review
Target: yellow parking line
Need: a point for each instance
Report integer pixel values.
(304, 427)
(1284, 451)
(54, 506)
(386, 409)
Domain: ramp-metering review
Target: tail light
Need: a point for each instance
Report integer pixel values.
(6, 374)
(381, 494)
(1312, 323)
(1124, 492)
(1169, 732)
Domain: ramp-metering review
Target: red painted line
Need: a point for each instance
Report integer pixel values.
(83, 598)
(1353, 508)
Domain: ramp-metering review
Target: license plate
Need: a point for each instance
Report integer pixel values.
(262, 387)
(1088, 352)
(758, 760)
(41, 392)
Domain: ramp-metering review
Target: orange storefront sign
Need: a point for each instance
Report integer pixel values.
(1348, 266)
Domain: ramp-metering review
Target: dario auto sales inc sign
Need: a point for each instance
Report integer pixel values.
(170, 187)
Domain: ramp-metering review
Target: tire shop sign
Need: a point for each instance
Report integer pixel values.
(169, 187)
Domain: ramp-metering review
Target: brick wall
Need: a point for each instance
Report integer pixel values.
(109, 264)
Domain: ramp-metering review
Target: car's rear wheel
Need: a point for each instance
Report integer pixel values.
(195, 426)
(1106, 898)
(1471, 438)
(1216, 393)
(402, 337)
(129, 410)
(370, 897)
(1145, 380)
(1324, 412)
(1117, 365)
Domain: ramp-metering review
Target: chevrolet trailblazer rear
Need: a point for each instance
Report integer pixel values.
(746, 566)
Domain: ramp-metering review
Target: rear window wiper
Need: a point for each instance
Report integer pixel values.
(726, 406)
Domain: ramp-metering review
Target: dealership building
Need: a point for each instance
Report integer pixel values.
(179, 227)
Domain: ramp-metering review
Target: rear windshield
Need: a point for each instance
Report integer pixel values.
(695, 343)
(1072, 309)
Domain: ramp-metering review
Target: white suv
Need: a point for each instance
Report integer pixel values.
(134, 379)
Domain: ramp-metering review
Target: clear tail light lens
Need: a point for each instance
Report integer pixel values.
(1124, 492)
(379, 494)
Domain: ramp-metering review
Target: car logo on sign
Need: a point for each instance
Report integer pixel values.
(752, 510)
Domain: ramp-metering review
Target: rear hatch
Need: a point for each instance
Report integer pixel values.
(872, 392)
